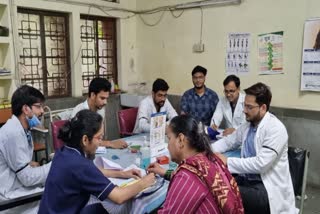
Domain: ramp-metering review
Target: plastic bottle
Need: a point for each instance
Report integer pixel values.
(112, 85)
(145, 157)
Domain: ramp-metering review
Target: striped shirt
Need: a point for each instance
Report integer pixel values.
(188, 194)
(200, 107)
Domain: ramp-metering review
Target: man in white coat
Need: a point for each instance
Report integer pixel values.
(157, 102)
(263, 170)
(99, 90)
(19, 174)
(230, 107)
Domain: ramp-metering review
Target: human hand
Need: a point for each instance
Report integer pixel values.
(222, 157)
(156, 168)
(34, 164)
(148, 180)
(132, 173)
(116, 144)
(228, 131)
(214, 126)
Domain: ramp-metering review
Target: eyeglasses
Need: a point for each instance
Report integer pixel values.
(249, 107)
(38, 105)
(198, 77)
(99, 138)
(229, 91)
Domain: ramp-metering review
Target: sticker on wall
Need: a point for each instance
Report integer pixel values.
(270, 50)
(310, 70)
(238, 51)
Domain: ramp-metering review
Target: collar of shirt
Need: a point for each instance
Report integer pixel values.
(73, 149)
(205, 92)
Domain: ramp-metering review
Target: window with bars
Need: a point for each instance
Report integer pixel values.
(44, 51)
(98, 48)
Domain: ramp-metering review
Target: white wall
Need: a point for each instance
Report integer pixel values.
(166, 49)
(126, 29)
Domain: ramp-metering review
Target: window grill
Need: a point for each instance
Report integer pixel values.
(44, 51)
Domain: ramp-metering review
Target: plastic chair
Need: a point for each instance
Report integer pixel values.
(55, 126)
(126, 121)
(298, 163)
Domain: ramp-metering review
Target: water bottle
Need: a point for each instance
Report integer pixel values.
(145, 157)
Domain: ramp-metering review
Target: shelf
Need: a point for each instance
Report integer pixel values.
(6, 77)
(5, 39)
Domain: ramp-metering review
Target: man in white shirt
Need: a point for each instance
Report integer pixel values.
(157, 102)
(230, 107)
(99, 90)
(19, 175)
(264, 178)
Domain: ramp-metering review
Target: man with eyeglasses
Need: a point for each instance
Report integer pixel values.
(200, 102)
(230, 107)
(263, 174)
(157, 102)
(19, 175)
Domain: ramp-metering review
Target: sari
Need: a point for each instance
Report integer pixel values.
(215, 177)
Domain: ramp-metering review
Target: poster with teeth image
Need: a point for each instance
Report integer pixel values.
(157, 133)
(238, 52)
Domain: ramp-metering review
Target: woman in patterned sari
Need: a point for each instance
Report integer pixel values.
(201, 183)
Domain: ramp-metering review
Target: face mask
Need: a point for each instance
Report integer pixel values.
(33, 122)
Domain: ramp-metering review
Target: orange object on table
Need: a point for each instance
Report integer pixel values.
(163, 160)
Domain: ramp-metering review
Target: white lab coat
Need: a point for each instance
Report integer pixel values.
(223, 110)
(271, 161)
(85, 105)
(146, 108)
(15, 155)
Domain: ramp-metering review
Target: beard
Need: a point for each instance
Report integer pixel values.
(198, 87)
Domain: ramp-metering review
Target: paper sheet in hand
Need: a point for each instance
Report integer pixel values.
(106, 164)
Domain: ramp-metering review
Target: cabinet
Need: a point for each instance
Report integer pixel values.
(6, 52)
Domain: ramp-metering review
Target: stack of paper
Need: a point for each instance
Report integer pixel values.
(101, 150)
(106, 164)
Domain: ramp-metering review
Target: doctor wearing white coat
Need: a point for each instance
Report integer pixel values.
(19, 175)
(263, 170)
(230, 107)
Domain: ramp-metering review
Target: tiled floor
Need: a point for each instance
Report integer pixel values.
(312, 203)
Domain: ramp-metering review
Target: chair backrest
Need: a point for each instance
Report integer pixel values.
(127, 119)
(55, 126)
(298, 163)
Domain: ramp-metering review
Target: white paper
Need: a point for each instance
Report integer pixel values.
(106, 164)
(121, 181)
(238, 52)
(101, 150)
(157, 132)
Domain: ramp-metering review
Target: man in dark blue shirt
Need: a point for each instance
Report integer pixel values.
(200, 102)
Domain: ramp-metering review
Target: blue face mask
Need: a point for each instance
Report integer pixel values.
(33, 122)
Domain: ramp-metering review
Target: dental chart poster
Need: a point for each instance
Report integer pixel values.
(238, 52)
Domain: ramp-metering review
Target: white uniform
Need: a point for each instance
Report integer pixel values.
(224, 110)
(85, 105)
(17, 177)
(146, 108)
(271, 161)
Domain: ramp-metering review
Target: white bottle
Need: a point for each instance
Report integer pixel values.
(112, 85)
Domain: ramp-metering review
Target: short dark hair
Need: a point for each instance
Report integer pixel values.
(25, 95)
(99, 84)
(261, 92)
(160, 85)
(200, 69)
(232, 78)
(85, 122)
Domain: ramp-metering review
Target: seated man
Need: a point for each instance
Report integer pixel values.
(98, 94)
(19, 174)
(157, 102)
(230, 107)
(200, 102)
(263, 170)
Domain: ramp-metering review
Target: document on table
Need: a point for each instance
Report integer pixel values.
(106, 164)
(124, 182)
(101, 150)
